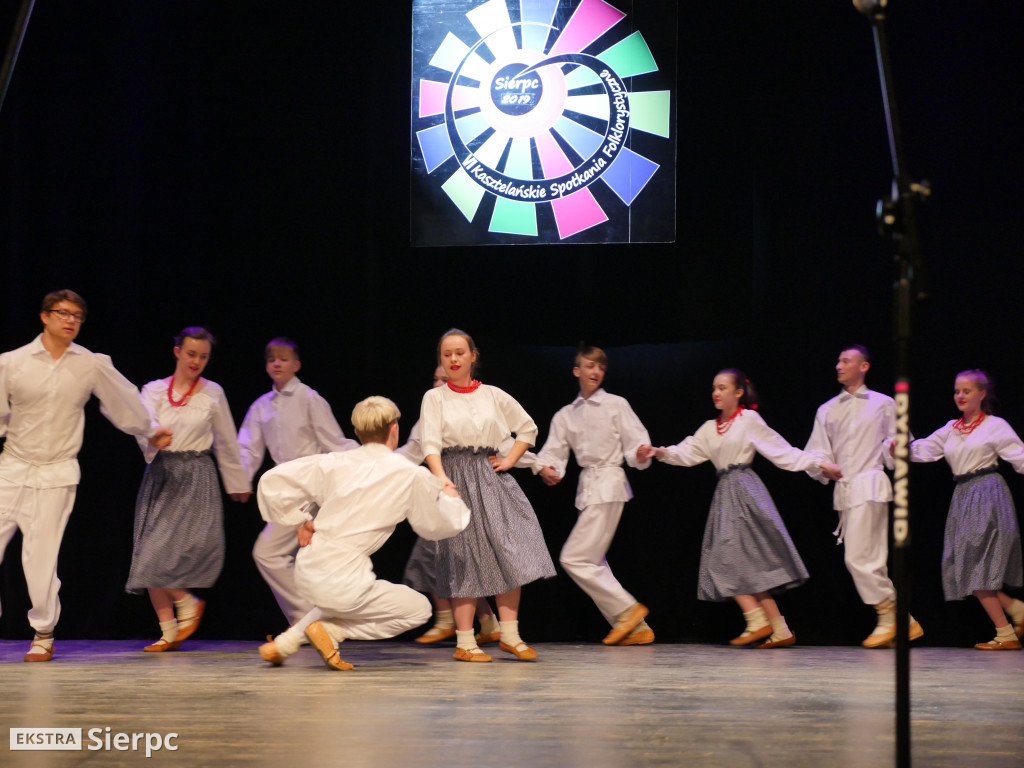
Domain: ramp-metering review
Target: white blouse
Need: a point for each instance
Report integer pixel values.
(483, 418)
(748, 434)
(990, 441)
(203, 422)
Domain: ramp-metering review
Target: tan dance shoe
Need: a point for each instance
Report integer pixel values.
(995, 645)
(39, 652)
(887, 638)
(320, 639)
(162, 645)
(752, 636)
(188, 627)
(488, 638)
(638, 637)
(783, 643)
(270, 653)
(435, 634)
(474, 654)
(626, 623)
(522, 651)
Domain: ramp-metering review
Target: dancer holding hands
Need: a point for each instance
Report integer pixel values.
(602, 431)
(462, 425)
(747, 554)
(981, 548)
(179, 517)
(420, 570)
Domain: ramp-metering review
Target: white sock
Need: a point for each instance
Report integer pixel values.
(288, 642)
(780, 630)
(1016, 611)
(886, 613)
(169, 630)
(489, 624)
(1005, 634)
(45, 639)
(510, 633)
(295, 634)
(756, 619)
(444, 619)
(185, 608)
(465, 639)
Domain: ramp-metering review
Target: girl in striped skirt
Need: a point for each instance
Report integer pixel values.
(981, 548)
(747, 554)
(462, 425)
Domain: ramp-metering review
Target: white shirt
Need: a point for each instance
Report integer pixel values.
(362, 495)
(290, 423)
(41, 411)
(204, 422)
(748, 434)
(990, 441)
(601, 430)
(413, 451)
(854, 431)
(484, 418)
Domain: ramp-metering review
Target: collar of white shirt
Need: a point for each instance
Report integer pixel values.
(862, 392)
(37, 347)
(289, 388)
(595, 399)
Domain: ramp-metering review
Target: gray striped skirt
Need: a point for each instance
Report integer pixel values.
(746, 546)
(502, 547)
(981, 546)
(179, 524)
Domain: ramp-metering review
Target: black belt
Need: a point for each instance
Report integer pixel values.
(976, 473)
(731, 468)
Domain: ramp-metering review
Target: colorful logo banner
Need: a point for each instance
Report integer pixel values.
(537, 121)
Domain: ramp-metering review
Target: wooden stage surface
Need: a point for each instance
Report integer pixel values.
(578, 706)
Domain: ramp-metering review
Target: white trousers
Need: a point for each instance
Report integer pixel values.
(354, 604)
(866, 540)
(274, 554)
(41, 514)
(390, 609)
(583, 558)
(386, 610)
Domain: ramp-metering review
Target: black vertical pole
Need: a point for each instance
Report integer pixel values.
(897, 220)
(14, 47)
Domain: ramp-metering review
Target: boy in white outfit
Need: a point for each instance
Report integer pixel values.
(44, 387)
(290, 421)
(361, 495)
(854, 430)
(602, 430)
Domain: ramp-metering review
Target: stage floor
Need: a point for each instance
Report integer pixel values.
(585, 706)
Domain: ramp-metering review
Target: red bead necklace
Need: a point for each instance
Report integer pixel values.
(722, 426)
(966, 429)
(185, 397)
(463, 390)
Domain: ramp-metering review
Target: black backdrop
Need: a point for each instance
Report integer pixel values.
(245, 167)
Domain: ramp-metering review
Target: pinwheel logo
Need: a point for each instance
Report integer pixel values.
(514, 105)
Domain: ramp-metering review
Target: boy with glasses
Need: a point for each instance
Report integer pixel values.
(44, 387)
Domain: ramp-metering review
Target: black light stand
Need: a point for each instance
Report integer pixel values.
(896, 220)
(14, 47)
